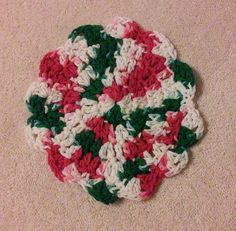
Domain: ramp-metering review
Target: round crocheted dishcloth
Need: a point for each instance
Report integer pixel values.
(113, 109)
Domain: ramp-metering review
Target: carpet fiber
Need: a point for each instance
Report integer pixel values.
(200, 198)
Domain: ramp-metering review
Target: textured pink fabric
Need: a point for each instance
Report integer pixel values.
(201, 198)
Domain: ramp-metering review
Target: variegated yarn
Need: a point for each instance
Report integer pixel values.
(113, 109)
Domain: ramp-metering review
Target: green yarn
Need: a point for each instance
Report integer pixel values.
(183, 73)
(138, 120)
(168, 105)
(85, 139)
(141, 163)
(172, 104)
(115, 116)
(53, 118)
(101, 193)
(186, 138)
(104, 55)
(92, 90)
(36, 104)
(139, 117)
(40, 118)
(96, 147)
(131, 169)
(178, 149)
(90, 32)
(161, 111)
(108, 46)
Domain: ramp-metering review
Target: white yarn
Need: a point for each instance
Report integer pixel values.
(74, 125)
(105, 103)
(187, 93)
(158, 152)
(126, 60)
(73, 176)
(176, 162)
(65, 139)
(154, 98)
(119, 153)
(130, 191)
(126, 105)
(77, 48)
(164, 48)
(107, 82)
(111, 172)
(107, 152)
(170, 88)
(118, 27)
(89, 108)
(37, 88)
(122, 134)
(193, 121)
(36, 137)
(130, 52)
(156, 127)
(41, 89)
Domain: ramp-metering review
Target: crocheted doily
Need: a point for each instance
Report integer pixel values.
(113, 108)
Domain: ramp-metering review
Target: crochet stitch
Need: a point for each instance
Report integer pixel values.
(113, 109)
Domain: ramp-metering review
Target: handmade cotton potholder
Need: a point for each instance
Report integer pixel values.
(113, 109)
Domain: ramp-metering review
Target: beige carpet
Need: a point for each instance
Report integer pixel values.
(203, 197)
